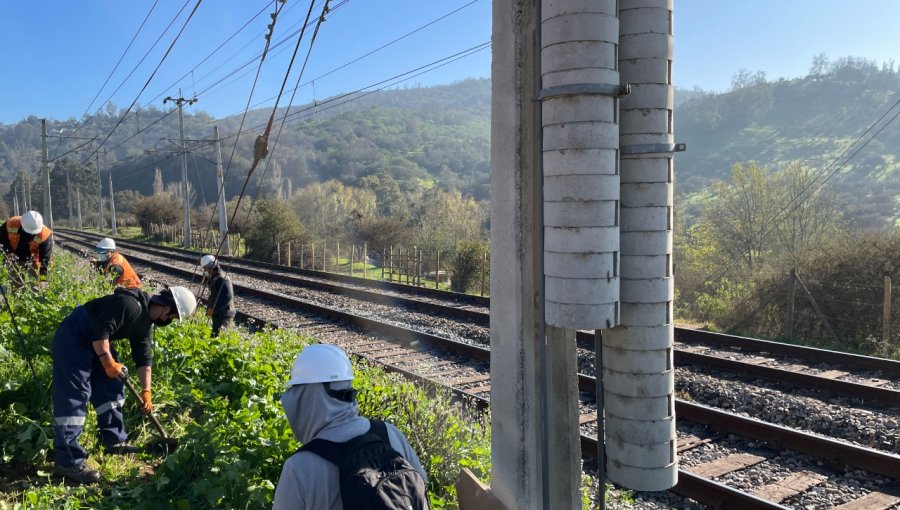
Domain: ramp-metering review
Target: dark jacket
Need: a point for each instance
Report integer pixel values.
(124, 314)
(221, 294)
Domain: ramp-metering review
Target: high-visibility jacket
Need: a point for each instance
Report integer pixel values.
(118, 266)
(36, 248)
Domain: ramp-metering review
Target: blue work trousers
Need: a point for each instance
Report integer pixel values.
(78, 377)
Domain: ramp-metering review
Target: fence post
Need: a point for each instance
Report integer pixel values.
(302, 245)
(390, 266)
(886, 315)
(365, 259)
(437, 268)
(792, 292)
(337, 257)
(278, 250)
(289, 254)
(822, 318)
(324, 253)
(483, 263)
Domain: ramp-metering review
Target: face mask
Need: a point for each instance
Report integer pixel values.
(162, 321)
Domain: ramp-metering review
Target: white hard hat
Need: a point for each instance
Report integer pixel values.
(106, 244)
(206, 260)
(185, 301)
(32, 222)
(320, 363)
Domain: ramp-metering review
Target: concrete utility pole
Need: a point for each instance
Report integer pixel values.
(48, 208)
(518, 464)
(78, 203)
(184, 176)
(220, 182)
(99, 196)
(112, 207)
(69, 197)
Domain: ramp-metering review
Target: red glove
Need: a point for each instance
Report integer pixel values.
(112, 367)
(147, 406)
(209, 312)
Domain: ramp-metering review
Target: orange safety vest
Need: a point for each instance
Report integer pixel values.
(13, 225)
(128, 278)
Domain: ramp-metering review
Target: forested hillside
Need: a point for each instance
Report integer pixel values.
(440, 137)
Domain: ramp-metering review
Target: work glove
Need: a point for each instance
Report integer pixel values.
(147, 406)
(209, 312)
(112, 367)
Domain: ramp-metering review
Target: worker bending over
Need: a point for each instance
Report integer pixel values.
(86, 367)
(113, 263)
(26, 240)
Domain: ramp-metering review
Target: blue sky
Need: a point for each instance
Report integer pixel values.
(58, 53)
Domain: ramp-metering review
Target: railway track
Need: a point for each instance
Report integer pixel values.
(735, 450)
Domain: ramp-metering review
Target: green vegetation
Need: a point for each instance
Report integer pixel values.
(220, 397)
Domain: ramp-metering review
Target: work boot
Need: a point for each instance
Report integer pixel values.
(122, 448)
(80, 474)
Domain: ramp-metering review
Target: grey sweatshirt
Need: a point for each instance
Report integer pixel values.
(309, 482)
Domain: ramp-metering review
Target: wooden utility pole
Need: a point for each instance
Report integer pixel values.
(186, 214)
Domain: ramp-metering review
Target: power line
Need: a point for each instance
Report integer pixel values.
(150, 78)
(141, 61)
(122, 57)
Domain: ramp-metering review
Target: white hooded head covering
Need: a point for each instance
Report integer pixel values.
(310, 410)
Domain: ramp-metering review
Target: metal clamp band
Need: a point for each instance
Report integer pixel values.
(578, 89)
(652, 148)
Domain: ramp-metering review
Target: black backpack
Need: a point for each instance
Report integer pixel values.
(374, 476)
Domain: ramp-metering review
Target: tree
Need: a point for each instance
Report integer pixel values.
(444, 218)
(381, 233)
(158, 186)
(327, 209)
(388, 197)
(161, 209)
(808, 214)
(274, 222)
(738, 214)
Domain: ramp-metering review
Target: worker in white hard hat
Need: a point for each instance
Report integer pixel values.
(320, 404)
(26, 240)
(113, 263)
(86, 368)
(220, 305)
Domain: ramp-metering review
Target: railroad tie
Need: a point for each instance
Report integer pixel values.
(790, 486)
(690, 442)
(726, 465)
(871, 501)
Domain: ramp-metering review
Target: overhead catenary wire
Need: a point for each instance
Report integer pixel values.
(121, 57)
(332, 10)
(290, 102)
(141, 61)
(172, 45)
(260, 148)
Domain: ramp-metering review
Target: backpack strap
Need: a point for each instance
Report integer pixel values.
(378, 428)
(336, 453)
